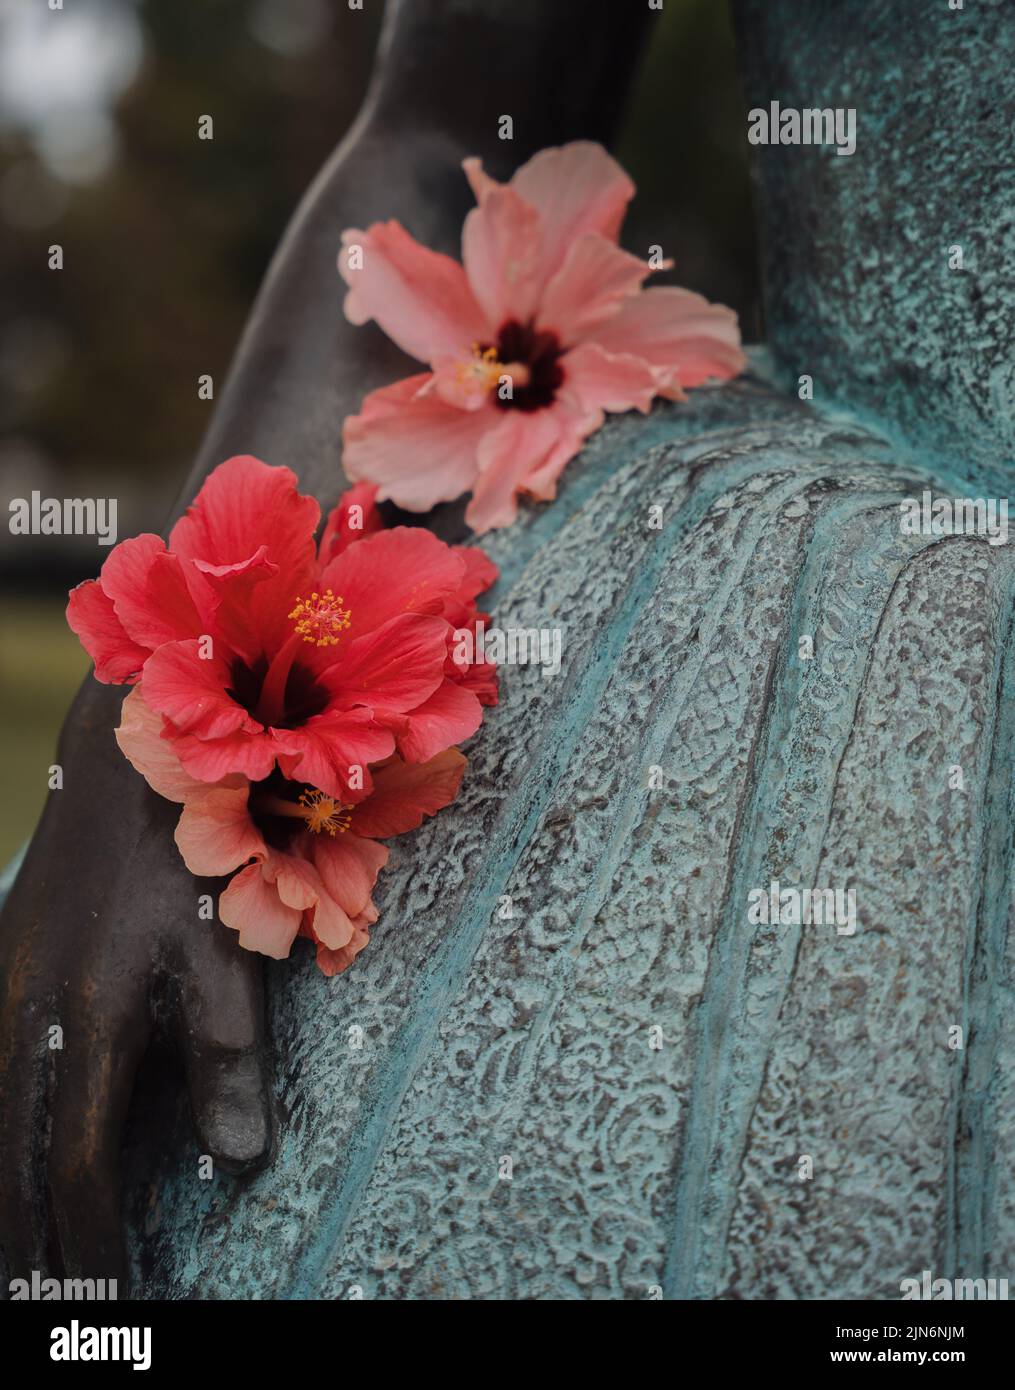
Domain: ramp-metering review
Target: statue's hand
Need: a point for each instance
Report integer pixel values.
(101, 927)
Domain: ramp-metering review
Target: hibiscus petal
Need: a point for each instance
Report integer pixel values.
(216, 834)
(325, 750)
(190, 690)
(141, 742)
(575, 189)
(298, 882)
(348, 865)
(572, 431)
(684, 337)
(91, 615)
(404, 793)
(599, 380)
(251, 906)
(480, 182)
(149, 592)
(501, 253)
(419, 450)
(334, 962)
(420, 298)
(479, 677)
(225, 594)
(516, 447)
(353, 519)
(214, 759)
(300, 885)
(451, 715)
(480, 572)
(594, 280)
(403, 570)
(332, 928)
(243, 505)
(393, 668)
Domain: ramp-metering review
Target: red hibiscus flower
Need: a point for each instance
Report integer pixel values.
(260, 651)
(307, 862)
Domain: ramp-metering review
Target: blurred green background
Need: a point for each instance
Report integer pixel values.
(166, 239)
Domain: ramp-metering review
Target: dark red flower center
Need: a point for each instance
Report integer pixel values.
(304, 696)
(539, 351)
(282, 810)
(278, 831)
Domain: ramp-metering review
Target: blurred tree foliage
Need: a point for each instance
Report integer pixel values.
(164, 254)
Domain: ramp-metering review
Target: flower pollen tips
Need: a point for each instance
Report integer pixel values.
(321, 619)
(479, 372)
(322, 812)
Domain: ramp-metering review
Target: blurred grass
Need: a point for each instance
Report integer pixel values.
(41, 666)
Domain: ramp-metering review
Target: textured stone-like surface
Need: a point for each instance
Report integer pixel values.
(859, 289)
(528, 1037)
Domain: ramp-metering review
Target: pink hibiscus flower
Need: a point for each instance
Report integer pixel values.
(258, 649)
(543, 328)
(307, 863)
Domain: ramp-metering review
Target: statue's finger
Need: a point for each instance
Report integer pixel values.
(222, 1035)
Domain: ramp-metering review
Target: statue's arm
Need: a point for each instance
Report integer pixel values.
(101, 930)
